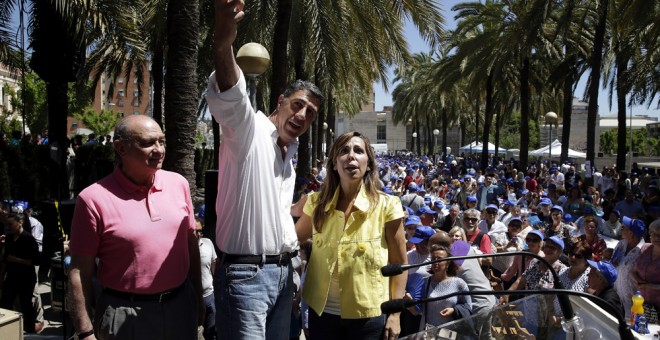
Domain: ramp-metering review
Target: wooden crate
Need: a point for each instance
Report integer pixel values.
(11, 325)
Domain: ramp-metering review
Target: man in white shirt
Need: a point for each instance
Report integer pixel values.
(254, 232)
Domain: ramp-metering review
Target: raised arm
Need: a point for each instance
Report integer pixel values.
(227, 15)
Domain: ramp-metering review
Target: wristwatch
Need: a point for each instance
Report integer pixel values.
(84, 335)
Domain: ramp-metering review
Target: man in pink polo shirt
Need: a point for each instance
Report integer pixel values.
(135, 230)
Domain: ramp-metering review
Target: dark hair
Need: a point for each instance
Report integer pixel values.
(302, 85)
(589, 219)
(452, 268)
(370, 180)
(582, 248)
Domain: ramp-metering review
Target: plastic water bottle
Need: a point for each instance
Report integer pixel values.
(641, 325)
(637, 309)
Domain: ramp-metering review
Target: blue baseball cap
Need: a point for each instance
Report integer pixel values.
(509, 203)
(607, 269)
(412, 219)
(422, 233)
(492, 206)
(552, 186)
(202, 212)
(439, 204)
(412, 187)
(545, 201)
(516, 219)
(558, 241)
(537, 233)
(421, 190)
(427, 199)
(471, 199)
(426, 210)
(409, 210)
(636, 226)
(557, 207)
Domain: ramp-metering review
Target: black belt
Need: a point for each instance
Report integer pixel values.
(281, 259)
(158, 297)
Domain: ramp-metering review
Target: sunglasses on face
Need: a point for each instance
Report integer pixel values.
(471, 219)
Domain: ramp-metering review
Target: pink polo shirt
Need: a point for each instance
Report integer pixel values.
(139, 235)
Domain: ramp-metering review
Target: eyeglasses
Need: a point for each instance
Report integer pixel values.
(470, 219)
(533, 240)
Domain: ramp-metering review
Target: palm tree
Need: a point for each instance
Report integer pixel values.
(181, 93)
(594, 79)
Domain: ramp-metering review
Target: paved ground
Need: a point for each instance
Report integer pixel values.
(53, 327)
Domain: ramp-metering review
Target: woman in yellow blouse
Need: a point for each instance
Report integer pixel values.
(356, 230)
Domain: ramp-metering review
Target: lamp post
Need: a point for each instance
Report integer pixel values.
(253, 59)
(550, 118)
(414, 135)
(323, 140)
(436, 132)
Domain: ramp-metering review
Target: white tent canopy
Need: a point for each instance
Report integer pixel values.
(556, 151)
(477, 147)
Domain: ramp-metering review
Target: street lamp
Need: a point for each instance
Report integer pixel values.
(323, 140)
(550, 118)
(436, 132)
(414, 135)
(253, 59)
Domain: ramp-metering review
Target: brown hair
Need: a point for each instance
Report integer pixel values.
(582, 248)
(452, 268)
(370, 180)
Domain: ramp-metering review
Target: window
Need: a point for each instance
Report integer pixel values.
(381, 134)
(120, 92)
(136, 93)
(120, 103)
(120, 80)
(136, 102)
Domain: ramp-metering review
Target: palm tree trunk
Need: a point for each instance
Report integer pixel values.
(488, 119)
(498, 121)
(57, 125)
(444, 135)
(331, 123)
(567, 110)
(181, 88)
(596, 60)
(524, 115)
(476, 128)
(419, 137)
(278, 80)
(157, 76)
(622, 90)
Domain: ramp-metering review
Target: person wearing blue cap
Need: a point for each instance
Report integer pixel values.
(534, 243)
(538, 276)
(625, 255)
(410, 225)
(601, 283)
(427, 215)
(558, 228)
(420, 254)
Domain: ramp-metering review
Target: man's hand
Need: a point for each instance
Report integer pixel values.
(227, 15)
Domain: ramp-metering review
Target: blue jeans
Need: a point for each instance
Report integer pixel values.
(253, 301)
(209, 321)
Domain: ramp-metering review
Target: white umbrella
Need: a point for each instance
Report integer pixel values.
(556, 151)
(477, 147)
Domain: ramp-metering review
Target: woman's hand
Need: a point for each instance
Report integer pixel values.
(392, 327)
(447, 312)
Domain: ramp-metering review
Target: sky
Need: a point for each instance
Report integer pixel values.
(417, 44)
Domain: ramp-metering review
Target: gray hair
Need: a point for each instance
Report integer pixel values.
(472, 212)
(303, 85)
